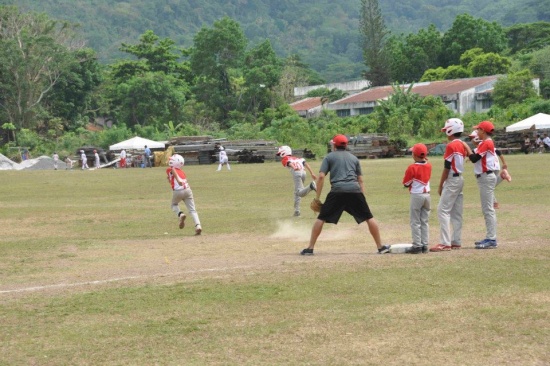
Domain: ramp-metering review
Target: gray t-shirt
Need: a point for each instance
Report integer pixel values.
(344, 168)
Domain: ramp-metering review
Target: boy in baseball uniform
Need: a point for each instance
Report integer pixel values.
(224, 160)
(501, 172)
(96, 160)
(181, 191)
(485, 164)
(297, 167)
(84, 160)
(55, 160)
(417, 179)
(451, 202)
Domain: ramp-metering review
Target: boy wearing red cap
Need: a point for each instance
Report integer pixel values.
(485, 164)
(346, 194)
(417, 179)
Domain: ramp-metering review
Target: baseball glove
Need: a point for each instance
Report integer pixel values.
(316, 205)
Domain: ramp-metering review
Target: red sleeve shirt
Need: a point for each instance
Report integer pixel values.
(176, 186)
(489, 158)
(417, 177)
(455, 154)
(293, 163)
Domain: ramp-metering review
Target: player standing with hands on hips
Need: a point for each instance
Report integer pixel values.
(181, 192)
(451, 202)
(346, 194)
(297, 167)
(485, 164)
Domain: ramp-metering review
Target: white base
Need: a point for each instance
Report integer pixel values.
(400, 248)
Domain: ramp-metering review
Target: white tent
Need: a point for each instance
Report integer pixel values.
(538, 122)
(137, 143)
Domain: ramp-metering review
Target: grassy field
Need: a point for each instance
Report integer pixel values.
(95, 271)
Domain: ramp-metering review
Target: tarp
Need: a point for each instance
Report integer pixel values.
(137, 143)
(538, 122)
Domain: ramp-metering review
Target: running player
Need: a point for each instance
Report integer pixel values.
(297, 167)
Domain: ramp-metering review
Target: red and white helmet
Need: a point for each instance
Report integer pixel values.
(176, 161)
(452, 126)
(475, 138)
(284, 151)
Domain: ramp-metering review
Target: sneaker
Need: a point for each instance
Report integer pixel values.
(481, 241)
(415, 250)
(440, 248)
(456, 246)
(182, 221)
(384, 249)
(313, 186)
(489, 244)
(306, 252)
(198, 229)
(424, 249)
(296, 213)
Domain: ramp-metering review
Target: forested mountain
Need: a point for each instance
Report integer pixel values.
(323, 32)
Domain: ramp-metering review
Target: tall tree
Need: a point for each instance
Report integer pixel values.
(216, 56)
(468, 32)
(36, 51)
(514, 88)
(374, 33)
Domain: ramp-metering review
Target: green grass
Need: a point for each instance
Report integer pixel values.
(94, 270)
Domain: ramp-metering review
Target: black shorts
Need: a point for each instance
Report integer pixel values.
(353, 203)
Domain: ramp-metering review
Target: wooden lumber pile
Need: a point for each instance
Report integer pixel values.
(371, 146)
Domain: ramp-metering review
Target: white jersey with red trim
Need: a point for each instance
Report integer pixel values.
(455, 153)
(293, 163)
(417, 177)
(489, 158)
(176, 186)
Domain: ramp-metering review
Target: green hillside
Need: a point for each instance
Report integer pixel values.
(323, 32)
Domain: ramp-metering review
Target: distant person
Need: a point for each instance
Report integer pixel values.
(68, 163)
(97, 163)
(147, 157)
(181, 191)
(451, 183)
(26, 155)
(123, 158)
(539, 145)
(224, 160)
(347, 193)
(546, 142)
(526, 144)
(417, 179)
(84, 160)
(55, 160)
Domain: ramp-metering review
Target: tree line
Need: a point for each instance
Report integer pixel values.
(51, 86)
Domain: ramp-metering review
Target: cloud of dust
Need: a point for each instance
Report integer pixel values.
(295, 230)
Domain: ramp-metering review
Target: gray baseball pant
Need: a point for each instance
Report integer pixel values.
(185, 195)
(449, 211)
(300, 191)
(420, 208)
(486, 184)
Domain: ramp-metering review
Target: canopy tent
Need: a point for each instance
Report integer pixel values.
(137, 143)
(538, 122)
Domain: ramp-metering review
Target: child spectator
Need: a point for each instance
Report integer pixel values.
(417, 179)
(181, 191)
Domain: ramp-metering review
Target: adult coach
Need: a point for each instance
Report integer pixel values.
(346, 194)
